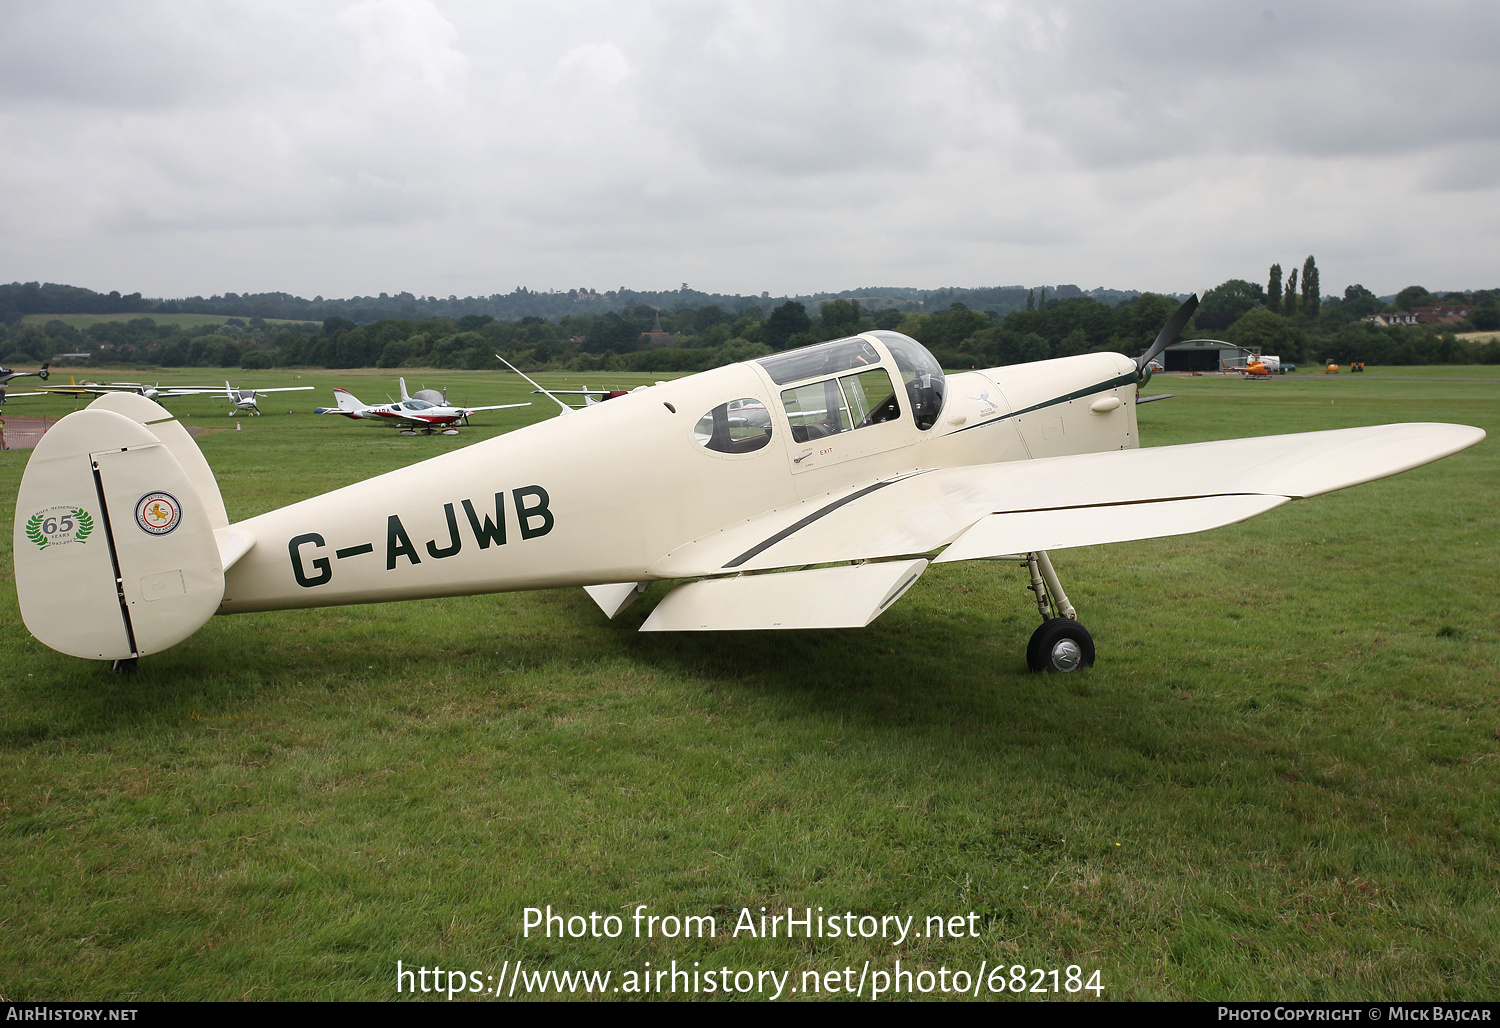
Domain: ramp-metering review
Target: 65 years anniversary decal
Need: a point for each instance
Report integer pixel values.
(57, 526)
(156, 513)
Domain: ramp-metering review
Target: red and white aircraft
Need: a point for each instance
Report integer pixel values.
(410, 414)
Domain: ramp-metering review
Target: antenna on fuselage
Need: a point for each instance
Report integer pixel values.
(565, 408)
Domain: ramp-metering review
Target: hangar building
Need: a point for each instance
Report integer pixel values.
(1202, 355)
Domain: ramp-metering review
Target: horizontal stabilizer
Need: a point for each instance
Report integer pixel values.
(1025, 531)
(842, 597)
(233, 544)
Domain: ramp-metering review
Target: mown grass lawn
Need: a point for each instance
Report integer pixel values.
(1281, 780)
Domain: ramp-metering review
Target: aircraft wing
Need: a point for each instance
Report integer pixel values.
(76, 390)
(1057, 502)
(278, 389)
(498, 406)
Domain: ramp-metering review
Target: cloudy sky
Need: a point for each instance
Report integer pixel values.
(466, 148)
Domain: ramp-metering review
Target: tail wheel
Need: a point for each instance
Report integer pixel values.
(1059, 646)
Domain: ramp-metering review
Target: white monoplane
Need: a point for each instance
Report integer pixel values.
(241, 399)
(427, 412)
(244, 399)
(155, 391)
(869, 465)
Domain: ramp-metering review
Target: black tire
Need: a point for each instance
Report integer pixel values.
(1045, 654)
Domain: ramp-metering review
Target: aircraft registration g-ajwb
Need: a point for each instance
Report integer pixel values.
(868, 465)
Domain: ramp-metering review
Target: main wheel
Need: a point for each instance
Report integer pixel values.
(1060, 645)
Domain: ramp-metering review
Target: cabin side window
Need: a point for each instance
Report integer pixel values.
(739, 426)
(820, 409)
(871, 398)
(816, 410)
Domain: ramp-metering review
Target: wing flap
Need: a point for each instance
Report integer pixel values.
(843, 597)
(1025, 531)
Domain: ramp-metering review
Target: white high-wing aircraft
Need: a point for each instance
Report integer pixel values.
(870, 459)
(155, 391)
(241, 399)
(411, 413)
(244, 399)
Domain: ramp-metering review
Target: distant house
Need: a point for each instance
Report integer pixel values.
(658, 337)
(1445, 314)
(1393, 318)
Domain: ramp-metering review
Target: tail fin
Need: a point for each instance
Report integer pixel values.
(120, 537)
(403, 390)
(347, 400)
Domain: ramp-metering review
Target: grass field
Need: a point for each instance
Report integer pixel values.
(83, 321)
(1281, 780)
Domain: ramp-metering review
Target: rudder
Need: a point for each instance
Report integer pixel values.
(114, 547)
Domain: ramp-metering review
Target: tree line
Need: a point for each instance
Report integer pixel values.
(1287, 316)
(19, 299)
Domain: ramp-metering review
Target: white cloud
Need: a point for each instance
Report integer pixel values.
(461, 147)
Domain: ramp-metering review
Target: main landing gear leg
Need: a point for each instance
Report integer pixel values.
(1061, 644)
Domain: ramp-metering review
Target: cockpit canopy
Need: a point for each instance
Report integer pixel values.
(920, 373)
(416, 404)
(820, 359)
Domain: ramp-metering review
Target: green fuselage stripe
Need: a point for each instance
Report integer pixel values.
(1125, 379)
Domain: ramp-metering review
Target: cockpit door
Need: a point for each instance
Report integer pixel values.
(842, 417)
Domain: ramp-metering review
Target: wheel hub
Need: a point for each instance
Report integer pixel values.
(1066, 655)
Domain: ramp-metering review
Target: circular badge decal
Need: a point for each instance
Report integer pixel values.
(158, 513)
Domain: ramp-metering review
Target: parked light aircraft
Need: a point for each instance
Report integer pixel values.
(242, 399)
(6, 374)
(587, 394)
(871, 466)
(556, 395)
(150, 392)
(410, 414)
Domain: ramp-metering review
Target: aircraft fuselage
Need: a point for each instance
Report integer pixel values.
(600, 496)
